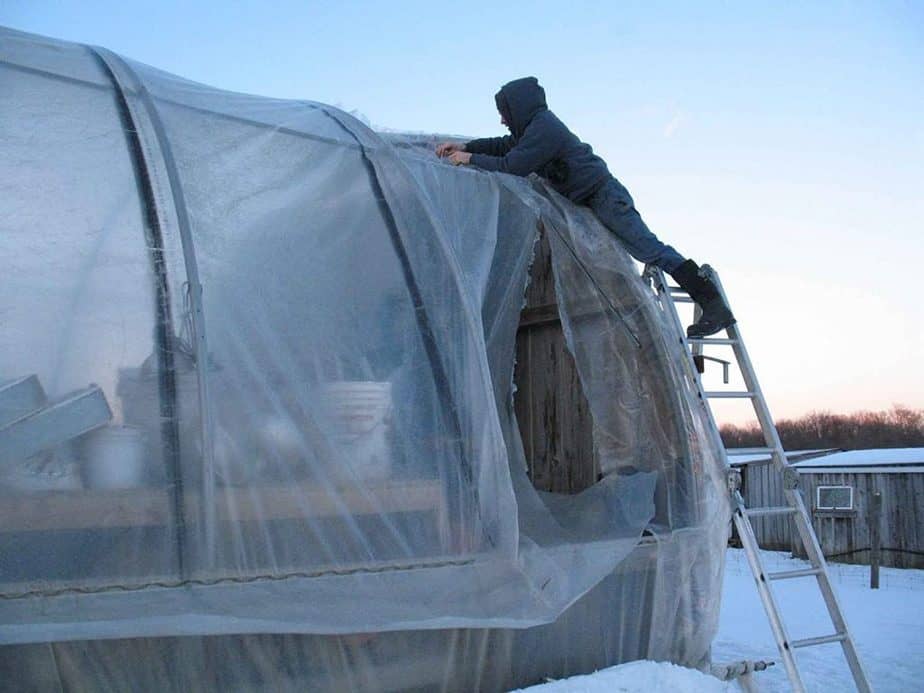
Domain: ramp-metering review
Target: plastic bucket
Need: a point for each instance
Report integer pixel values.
(359, 414)
(113, 458)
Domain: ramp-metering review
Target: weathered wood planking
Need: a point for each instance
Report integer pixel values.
(844, 535)
(847, 534)
(150, 507)
(762, 487)
(553, 414)
(647, 425)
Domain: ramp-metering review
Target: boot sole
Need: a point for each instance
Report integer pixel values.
(695, 334)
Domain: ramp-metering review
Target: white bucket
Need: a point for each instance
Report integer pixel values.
(359, 413)
(113, 458)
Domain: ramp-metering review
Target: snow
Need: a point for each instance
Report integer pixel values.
(833, 457)
(887, 624)
(637, 677)
(867, 458)
(791, 455)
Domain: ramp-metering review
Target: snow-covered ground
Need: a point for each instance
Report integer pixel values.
(888, 626)
(636, 677)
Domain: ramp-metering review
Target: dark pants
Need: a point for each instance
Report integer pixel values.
(613, 206)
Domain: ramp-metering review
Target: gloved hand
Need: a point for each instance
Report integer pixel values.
(458, 158)
(447, 148)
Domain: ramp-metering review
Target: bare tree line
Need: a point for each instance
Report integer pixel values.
(898, 427)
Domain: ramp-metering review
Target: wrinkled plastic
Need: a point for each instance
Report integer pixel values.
(306, 335)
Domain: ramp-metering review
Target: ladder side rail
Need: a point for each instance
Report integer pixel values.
(794, 498)
(670, 309)
(739, 516)
(768, 427)
(668, 306)
(772, 609)
(817, 559)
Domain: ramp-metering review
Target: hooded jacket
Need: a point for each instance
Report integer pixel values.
(538, 143)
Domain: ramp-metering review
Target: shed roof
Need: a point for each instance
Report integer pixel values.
(904, 460)
(792, 455)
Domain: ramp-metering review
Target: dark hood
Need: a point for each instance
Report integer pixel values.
(518, 101)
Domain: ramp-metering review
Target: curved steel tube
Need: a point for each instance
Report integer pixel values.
(127, 82)
(164, 329)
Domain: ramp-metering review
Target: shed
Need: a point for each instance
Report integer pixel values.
(762, 486)
(838, 489)
(258, 427)
(836, 486)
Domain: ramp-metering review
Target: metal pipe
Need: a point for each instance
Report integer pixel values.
(129, 82)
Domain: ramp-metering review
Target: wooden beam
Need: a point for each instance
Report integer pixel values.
(545, 314)
(150, 507)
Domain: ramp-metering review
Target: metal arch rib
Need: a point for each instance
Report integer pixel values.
(444, 390)
(127, 82)
(163, 332)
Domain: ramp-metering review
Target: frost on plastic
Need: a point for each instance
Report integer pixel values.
(257, 406)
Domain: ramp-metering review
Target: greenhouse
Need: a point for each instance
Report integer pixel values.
(289, 404)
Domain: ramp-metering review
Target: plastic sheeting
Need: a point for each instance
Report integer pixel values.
(292, 345)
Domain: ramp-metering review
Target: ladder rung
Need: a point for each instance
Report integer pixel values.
(823, 640)
(711, 340)
(730, 395)
(683, 299)
(770, 510)
(788, 574)
(748, 451)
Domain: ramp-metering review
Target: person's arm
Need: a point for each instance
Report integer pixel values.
(534, 150)
(492, 146)
(447, 148)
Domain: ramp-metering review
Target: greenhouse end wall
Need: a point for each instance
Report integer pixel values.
(256, 377)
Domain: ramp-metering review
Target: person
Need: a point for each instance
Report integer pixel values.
(540, 143)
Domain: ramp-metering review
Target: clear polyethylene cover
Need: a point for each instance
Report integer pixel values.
(257, 381)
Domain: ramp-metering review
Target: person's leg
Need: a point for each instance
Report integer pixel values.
(716, 315)
(616, 211)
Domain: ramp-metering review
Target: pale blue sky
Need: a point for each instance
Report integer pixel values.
(782, 144)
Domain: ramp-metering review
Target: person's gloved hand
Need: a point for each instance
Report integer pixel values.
(447, 148)
(458, 158)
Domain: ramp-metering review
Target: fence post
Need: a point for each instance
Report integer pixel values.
(875, 513)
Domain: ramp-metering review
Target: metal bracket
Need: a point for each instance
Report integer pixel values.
(729, 672)
(700, 361)
(733, 480)
(648, 276)
(790, 478)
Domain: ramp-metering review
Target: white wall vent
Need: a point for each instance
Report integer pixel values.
(834, 498)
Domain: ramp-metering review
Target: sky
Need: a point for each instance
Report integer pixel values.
(782, 143)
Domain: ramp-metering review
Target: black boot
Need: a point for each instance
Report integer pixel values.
(716, 313)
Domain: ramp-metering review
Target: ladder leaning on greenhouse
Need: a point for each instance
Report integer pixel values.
(668, 297)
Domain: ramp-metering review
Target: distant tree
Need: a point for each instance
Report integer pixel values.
(898, 427)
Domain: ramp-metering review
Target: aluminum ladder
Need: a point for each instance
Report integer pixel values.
(668, 297)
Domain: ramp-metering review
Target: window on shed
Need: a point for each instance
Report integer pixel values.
(834, 498)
